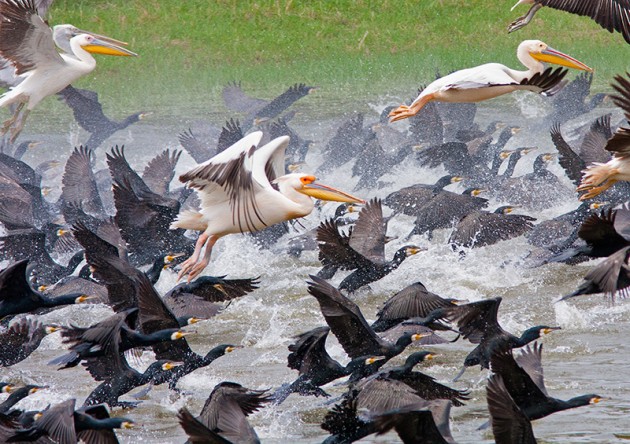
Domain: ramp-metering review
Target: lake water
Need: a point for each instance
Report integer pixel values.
(589, 355)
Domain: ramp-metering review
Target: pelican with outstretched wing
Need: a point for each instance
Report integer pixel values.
(491, 80)
(612, 15)
(244, 189)
(28, 43)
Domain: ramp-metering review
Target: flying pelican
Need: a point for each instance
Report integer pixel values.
(27, 42)
(493, 79)
(598, 177)
(613, 15)
(242, 189)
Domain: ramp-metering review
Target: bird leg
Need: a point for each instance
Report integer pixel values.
(17, 129)
(404, 111)
(460, 374)
(596, 191)
(197, 268)
(524, 20)
(9, 122)
(594, 175)
(192, 260)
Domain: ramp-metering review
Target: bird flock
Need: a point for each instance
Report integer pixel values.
(117, 238)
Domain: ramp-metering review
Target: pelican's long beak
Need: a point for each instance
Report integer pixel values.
(77, 31)
(324, 192)
(103, 46)
(551, 55)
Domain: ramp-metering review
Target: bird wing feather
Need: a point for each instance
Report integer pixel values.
(25, 39)
(611, 15)
(569, 159)
(368, 235)
(345, 320)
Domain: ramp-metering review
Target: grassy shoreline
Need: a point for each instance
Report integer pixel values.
(353, 50)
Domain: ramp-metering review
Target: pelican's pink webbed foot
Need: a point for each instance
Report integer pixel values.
(187, 265)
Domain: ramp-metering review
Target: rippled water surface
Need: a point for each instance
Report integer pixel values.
(589, 355)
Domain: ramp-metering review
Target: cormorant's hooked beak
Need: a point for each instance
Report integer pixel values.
(103, 46)
(547, 330)
(325, 192)
(231, 348)
(180, 334)
(51, 329)
(410, 251)
(430, 356)
(169, 258)
(598, 205)
(83, 298)
(127, 425)
(372, 359)
(595, 399)
(36, 389)
(418, 336)
(8, 388)
(170, 365)
(556, 57)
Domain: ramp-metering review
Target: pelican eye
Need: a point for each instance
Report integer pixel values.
(306, 180)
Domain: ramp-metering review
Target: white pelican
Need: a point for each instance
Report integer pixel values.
(243, 189)
(27, 43)
(613, 15)
(598, 177)
(493, 79)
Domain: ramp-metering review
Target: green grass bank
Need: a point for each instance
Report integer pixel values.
(352, 49)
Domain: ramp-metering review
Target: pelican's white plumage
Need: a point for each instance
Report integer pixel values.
(244, 189)
(26, 41)
(494, 79)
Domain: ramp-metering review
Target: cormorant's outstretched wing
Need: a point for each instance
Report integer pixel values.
(368, 235)
(509, 423)
(345, 320)
(160, 171)
(335, 249)
(569, 160)
(475, 320)
(196, 431)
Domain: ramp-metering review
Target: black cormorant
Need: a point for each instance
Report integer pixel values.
(350, 327)
(18, 394)
(309, 357)
(528, 392)
(88, 112)
(362, 251)
(611, 277)
(480, 228)
(227, 408)
(17, 296)
(21, 339)
(413, 301)
(477, 322)
(409, 199)
(119, 378)
(62, 424)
